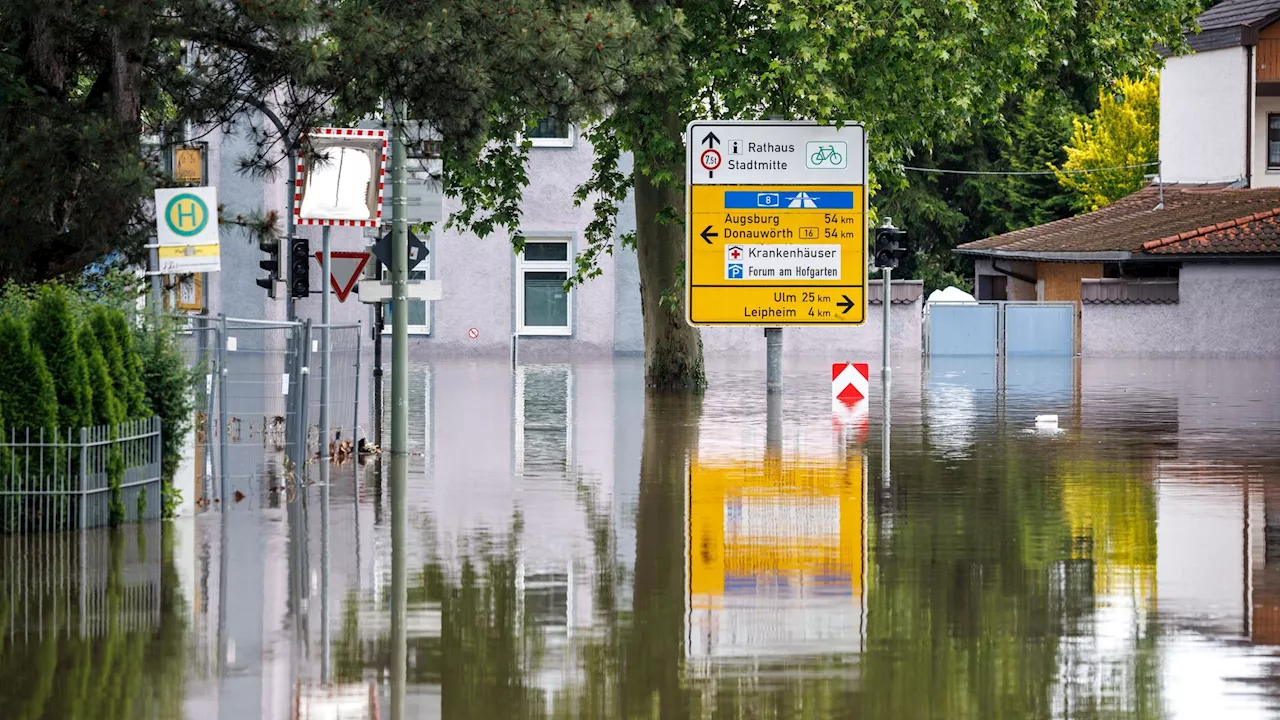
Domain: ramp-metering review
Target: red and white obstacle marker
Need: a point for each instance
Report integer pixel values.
(850, 382)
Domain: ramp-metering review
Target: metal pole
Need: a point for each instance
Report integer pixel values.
(324, 569)
(773, 360)
(290, 309)
(222, 411)
(304, 397)
(887, 273)
(378, 324)
(355, 409)
(324, 344)
(399, 400)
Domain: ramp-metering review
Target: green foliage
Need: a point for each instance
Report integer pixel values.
(126, 380)
(1124, 132)
(137, 389)
(107, 412)
(53, 329)
(168, 381)
(28, 400)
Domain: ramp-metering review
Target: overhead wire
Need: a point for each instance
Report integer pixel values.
(942, 171)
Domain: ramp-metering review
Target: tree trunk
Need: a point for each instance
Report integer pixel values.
(672, 347)
(129, 41)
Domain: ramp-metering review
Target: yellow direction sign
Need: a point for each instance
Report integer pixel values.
(777, 224)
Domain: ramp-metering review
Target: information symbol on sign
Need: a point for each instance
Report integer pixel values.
(186, 215)
(735, 147)
(710, 159)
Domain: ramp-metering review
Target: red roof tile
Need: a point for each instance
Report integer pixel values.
(1256, 233)
(1132, 223)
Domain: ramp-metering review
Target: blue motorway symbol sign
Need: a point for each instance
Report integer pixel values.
(783, 200)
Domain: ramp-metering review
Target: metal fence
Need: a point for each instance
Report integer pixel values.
(53, 481)
(987, 329)
(260, 407)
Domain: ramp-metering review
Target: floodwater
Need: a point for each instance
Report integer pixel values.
(575, 549)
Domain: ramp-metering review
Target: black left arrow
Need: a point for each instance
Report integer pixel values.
(706, 235)
(710, 139)
(847, 304)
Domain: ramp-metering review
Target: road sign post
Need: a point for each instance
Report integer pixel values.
(777, 224)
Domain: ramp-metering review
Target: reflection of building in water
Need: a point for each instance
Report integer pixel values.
(544, 419)
(776, 554)
(355, 701)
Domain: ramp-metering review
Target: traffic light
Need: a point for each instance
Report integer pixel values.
(300, 267)
(270, 246)
(890, 246)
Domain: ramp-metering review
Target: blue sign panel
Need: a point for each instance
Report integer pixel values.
(787, 200)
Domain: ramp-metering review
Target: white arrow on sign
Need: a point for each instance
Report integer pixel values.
(345, 269)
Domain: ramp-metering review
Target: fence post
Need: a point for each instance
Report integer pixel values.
(355, 412)
(222, 409)
(304, 412)
(84, 477)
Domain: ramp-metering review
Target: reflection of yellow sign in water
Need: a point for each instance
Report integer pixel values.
(773, 534)
(187, 230)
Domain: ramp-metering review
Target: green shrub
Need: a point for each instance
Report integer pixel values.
(132, 398)
(53, 330)
(137, 393)
(28, 399)
(169, 382)
(107, 411)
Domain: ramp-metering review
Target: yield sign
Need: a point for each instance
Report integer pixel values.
(344, 270)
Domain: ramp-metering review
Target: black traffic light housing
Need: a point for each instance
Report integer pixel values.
(300, 267)
(891, 246)
(270, 246)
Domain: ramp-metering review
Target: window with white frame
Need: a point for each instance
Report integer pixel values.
(419, 318)
(543, 306)
(553, 131)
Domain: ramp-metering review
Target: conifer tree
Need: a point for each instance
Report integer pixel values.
(53, 330)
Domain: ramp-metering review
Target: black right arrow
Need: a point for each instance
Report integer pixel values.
(710, 139)
(847, 304)
(706, 235)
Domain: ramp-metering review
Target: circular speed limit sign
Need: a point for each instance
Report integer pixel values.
(710, 159)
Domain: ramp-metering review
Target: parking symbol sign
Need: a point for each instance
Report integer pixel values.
(735, 271)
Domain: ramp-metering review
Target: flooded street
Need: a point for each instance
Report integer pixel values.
(576, 549)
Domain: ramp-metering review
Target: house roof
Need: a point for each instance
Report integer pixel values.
(1256, 233)
(1132, 226)
(1233, 23)
(1233, 13)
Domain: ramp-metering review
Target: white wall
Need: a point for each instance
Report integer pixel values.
(1223, 309)
(1202, 116)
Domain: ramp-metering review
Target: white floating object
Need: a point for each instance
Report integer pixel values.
(1047, 420)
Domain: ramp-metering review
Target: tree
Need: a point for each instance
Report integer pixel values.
(28, 399)
(52, 329)
(1124, 133)
(915, 75)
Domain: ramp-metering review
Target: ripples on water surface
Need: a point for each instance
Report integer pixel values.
(577, 550)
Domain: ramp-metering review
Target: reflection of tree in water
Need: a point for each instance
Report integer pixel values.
(135, 666)
(983, 602)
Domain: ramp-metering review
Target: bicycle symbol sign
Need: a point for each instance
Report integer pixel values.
(826, 154)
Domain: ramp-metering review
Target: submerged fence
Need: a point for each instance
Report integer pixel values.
(52, 480)
(259, 405)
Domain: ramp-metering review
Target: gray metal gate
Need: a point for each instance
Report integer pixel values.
(987, 329)
(260, 402)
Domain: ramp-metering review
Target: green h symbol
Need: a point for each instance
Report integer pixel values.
(186, 210)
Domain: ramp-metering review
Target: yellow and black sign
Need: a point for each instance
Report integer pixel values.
(777, 225)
